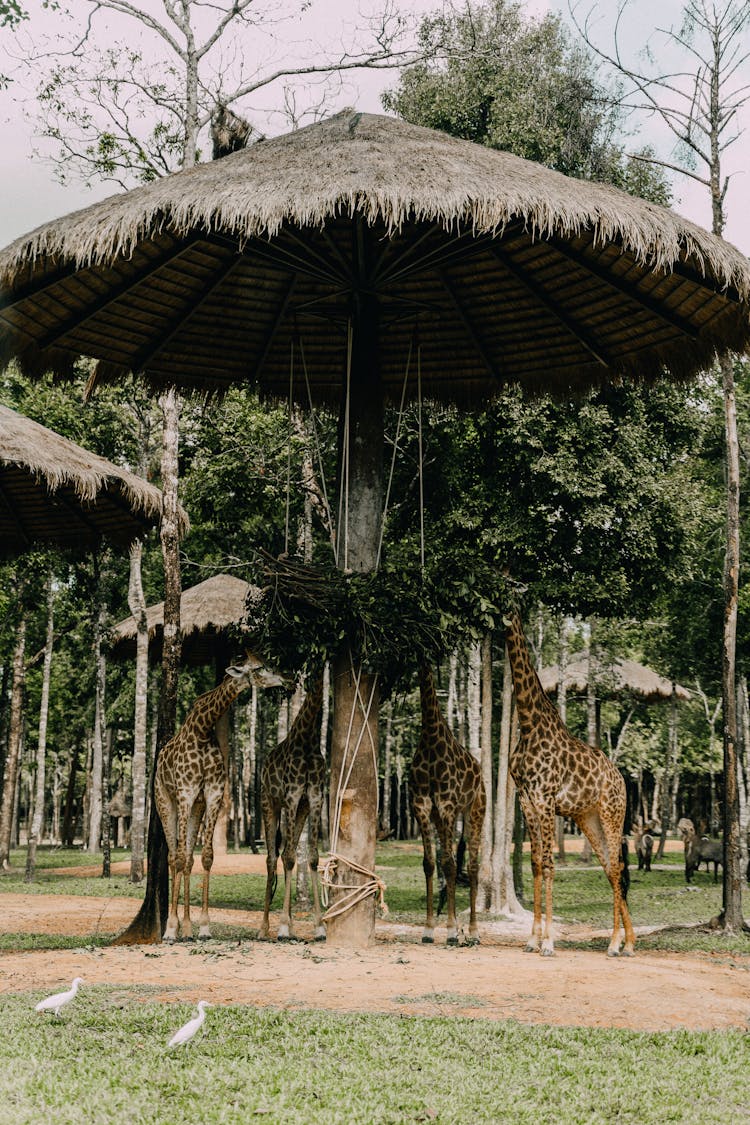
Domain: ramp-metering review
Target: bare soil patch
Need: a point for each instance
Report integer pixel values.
(397, 974)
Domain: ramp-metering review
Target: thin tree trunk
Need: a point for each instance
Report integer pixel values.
(562, 707)
(15, 735)
(148, 924)
(485, 870)
(97, 756)
(249, 771)
(744, 789)
(732, 875)
(137, 605)
(592, 732)
(106, 796)
(504, 900)
(37, 825)
(669, 770)
(385, 815)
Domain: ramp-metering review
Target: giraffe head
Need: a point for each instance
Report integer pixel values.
(252, 670)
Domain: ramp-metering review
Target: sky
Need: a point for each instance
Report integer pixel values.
(30, 194)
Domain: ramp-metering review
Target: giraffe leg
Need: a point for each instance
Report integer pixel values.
(295, 817)
(448, 859)
(605, 840)
(422, 808)
(547, 828)
(213, 800)
(271, 819)
(167, 810)
(193, 824)
(535, 836)
(474, 839)
(315, 798)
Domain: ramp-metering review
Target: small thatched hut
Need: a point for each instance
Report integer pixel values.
(54, 491)
(613, 678)
(206, 612)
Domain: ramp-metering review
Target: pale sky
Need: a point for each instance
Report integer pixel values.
(30, 195)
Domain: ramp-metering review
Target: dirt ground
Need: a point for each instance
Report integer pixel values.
(397, 974)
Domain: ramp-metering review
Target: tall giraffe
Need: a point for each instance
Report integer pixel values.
(292, 783)
(445, 780)
(189, 784)
(557, 773)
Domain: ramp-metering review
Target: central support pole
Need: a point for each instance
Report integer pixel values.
(355, 730)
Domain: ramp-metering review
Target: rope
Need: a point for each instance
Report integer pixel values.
(343, 522)
(393, 458)
(355, 892)
(316, 443)
(421, 460)
(289, 449)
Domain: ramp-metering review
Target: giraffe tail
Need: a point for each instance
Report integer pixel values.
(624, 870)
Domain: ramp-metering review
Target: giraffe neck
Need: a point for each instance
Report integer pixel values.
(431, 712)
(530, 695)
(311, 705)
(208, 708)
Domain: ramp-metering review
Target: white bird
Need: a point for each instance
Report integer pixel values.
(188, 1030)
(60, 999)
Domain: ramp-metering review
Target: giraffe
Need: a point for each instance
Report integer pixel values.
(292, 782)
(189, 782)
(557, 773)
(445, 780)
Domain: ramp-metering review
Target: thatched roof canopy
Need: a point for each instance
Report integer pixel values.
(54, 491)
(206, 612)
(613, 679)
(509, 272)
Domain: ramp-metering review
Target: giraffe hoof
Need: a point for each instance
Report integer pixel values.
(547, 953)
(320, 935)
(473, 940)
(427, 940)
(613, 952)
(530, 947)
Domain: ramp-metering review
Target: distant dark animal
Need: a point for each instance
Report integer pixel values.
(229, 133)
(625, 872)
(644, 846)
(703, 850)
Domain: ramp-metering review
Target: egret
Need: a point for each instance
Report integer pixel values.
(60, 999)
(188, 1030)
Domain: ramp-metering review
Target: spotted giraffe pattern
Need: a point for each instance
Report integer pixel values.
(558, 774)
(444, 781)
(292, 784)
(189, 788)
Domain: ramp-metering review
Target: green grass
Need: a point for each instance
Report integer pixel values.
(106, 1061)
(581, 895)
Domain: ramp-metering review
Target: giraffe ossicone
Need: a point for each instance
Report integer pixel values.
(189, 788)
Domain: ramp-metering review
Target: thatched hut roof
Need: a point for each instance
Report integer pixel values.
(206, 612)
(511, 272)
(54, 491)
(613, 679)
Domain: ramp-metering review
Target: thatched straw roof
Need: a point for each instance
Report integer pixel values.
(54, 491)
(206, 612)
(509, 271)
(613, 679)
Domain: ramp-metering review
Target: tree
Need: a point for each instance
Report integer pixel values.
(140, 112)
(702, 116)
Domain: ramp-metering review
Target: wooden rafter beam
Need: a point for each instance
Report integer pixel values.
(471, 331)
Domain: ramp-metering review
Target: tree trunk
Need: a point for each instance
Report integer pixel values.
(385, 816)
(732, 877)
(249, 770)
(485, 870)
(68, 824)
(744, 767)
(97, 755)
(504, 899)
(137, 604)
(37, 825)
(148, 924)
(106, 795)
(592, 731)
(669, 767)
(562, 707)
(354, 754)
(325, 715)
(15, 734)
